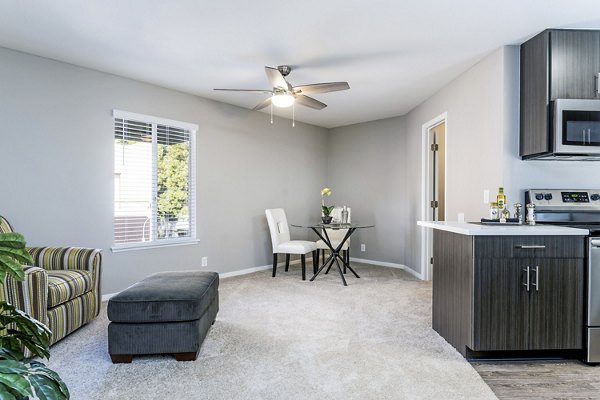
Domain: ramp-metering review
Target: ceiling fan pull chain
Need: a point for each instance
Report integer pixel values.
(293, 115)
(271, 112)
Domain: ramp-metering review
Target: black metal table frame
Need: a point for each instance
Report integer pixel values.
(335, 253)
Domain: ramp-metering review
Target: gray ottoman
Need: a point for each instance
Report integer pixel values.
(166, 313)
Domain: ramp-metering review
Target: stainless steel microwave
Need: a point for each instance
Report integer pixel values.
(576, 127)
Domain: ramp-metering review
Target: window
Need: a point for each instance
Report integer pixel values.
(154, 180)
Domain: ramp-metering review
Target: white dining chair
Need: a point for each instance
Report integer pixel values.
(336, 236)
(280, 239)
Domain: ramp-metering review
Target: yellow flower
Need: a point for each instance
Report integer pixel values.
(326, 192)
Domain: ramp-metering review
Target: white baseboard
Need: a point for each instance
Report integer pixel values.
(389, 265)
(261, 268)
(244, 271)
(106, 297)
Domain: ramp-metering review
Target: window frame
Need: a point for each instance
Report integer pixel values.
(154, 242)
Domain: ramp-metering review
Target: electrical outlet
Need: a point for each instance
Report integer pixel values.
(205, 261)
(363, 247)
(486, 196)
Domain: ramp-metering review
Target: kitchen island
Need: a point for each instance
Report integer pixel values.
(499, 289)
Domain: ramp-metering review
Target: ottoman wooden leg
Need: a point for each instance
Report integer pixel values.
(186, 356)
(121, 358)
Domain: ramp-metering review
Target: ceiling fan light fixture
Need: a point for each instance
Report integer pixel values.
(282, 100)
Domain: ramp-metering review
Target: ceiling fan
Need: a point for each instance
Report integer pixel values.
(284, 94)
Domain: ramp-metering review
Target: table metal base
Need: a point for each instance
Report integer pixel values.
(335, 255)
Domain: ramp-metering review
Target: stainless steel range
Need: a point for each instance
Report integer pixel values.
(577, 208)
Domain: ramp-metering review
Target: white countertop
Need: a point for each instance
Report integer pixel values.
(473, 229)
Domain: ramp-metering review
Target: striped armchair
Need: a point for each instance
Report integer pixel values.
(61, 289)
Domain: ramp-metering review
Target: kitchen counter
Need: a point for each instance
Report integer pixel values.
(510, 288)
(476, 229)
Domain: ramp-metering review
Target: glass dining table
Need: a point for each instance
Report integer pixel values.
(321, 230)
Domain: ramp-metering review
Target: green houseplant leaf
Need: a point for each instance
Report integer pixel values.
(12, 240)
(327, 210)
(18, 379)
(12, 255)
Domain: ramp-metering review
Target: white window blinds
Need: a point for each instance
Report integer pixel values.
(155, 192)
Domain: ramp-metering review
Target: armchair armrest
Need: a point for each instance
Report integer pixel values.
(30, 295)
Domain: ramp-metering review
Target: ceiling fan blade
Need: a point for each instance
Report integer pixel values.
(310, 102)
(321, 87)
(276, 79)
(247, 90)
(265, 103)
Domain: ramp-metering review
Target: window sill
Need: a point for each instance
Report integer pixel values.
(154, 245)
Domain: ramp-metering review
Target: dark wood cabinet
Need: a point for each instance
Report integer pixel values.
(556, 304)
(574, 64)
(556, 64)
(501, 305)
(526, 292)
(517, 310)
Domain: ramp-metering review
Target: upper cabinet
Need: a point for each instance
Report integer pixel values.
(556, 64)
(574, 64)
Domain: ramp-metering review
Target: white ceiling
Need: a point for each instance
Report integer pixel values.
(394, 54)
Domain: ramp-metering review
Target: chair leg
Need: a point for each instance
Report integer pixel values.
(315, 261)
(316, 254)
(303, 258)
(287, 262)
(274, 264)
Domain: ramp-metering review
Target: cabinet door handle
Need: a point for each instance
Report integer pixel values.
(530, 246)
(583, 132)
(526, 284)
(537, 278)
(598, 83)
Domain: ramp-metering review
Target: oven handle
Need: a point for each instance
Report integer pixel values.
(595, 242)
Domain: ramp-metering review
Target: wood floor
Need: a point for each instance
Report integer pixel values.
(540, 379)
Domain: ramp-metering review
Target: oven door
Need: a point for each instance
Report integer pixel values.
(593, 317)
(577, 126)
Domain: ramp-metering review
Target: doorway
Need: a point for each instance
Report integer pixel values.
(434, 173)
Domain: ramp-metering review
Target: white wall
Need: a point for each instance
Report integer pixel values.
(367, 171)
(56, 149)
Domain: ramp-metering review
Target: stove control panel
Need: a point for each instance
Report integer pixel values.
(575, 197)
(564, 199)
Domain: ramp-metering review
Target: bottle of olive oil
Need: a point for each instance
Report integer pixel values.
(501, 199)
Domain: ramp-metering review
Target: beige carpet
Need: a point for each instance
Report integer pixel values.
(283, 338)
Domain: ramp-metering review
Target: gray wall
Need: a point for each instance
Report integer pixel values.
(57, 144)
(536, 174)
(379, 164)
(367, 171)
(474, 144)
(57, 155)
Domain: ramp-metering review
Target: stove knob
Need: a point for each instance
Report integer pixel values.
(539, 196)
(595, 196)
(548, 196)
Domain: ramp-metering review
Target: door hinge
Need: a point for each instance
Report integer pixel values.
(435, 147)
(434, 204)
(431, 261)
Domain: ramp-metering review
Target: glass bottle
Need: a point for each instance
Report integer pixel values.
(501, 198)
(494, 210)
(505, 214)
(345, 215)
